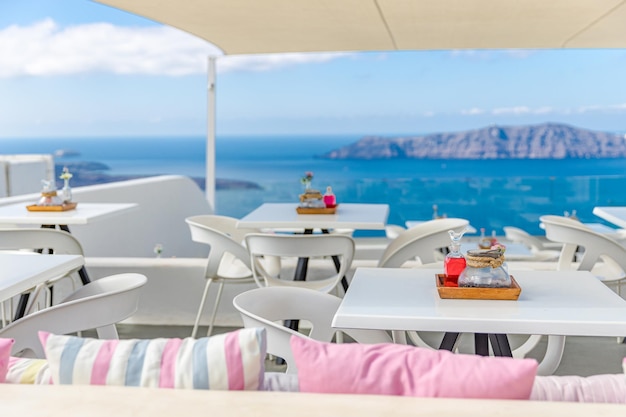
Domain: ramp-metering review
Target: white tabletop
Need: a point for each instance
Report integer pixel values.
(513, 250)
(551, 303)
(348, 216)
(615, 215)
(83, 213)
(21, 272)
(412, 223)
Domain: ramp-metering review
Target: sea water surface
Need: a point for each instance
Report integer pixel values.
(491, 194)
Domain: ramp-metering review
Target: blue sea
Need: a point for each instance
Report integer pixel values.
(491, 194)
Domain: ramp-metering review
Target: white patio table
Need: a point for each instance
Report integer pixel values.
(412, 223)
(84, 213)
(615, 215)
(554, 303)
(21, 272)
(347, 216)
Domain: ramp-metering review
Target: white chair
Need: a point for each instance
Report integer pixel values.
(268, 307)
(602, 255)
(307, 250)
(542, 251)
(58, 241)
(422, 242)
(98, 305)
(228, 261)
(392, 231)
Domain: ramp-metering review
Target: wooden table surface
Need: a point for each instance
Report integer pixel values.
(98, 401)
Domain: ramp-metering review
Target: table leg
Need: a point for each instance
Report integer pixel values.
(481, 344)
(500, 345)
(448, 341)
(344, 281)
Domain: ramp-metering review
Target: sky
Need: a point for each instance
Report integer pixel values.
(75, 68)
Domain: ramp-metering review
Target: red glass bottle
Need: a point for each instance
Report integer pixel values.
(454, 263)
(329, 197)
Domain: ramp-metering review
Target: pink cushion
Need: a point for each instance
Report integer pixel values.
(391, 369)
(5, 354)
(610, 388)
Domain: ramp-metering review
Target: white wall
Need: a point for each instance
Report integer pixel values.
(22, 174)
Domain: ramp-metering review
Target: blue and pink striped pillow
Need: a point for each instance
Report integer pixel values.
(231, 361)
(28, 371)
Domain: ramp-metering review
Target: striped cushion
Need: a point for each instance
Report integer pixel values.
(5, 352)
(28, 371)
(231, 361)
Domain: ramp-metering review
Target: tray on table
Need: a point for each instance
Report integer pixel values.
(317, 210)
(62, 207)
(478, 293)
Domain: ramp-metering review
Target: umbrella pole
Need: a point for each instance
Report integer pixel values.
(210, 143)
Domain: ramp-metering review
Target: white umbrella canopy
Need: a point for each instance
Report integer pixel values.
(278, 26)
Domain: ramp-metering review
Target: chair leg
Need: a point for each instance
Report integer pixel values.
(399, 336)
(107, 332)
(552, 358)
(201, 308)
(417, 340)
(214, 313)
(525, 348)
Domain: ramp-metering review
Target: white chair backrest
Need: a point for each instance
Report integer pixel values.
(264, 246)
(98, 305)
(573, 233)
(222, 235)
(268, 307)
(62, 243)
(420, 241)
(393, 230)
(515, 234)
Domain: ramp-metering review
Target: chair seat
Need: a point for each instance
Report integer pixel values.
(232, 268)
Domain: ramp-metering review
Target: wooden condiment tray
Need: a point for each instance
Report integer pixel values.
(478, 293)
(316, 210)
(63, 207)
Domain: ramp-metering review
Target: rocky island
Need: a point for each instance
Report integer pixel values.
(89, 173)
(544, 141)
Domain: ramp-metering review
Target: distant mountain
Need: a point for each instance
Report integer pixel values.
(544, 141)
(90, 173)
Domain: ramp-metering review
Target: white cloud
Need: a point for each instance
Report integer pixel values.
(524, 110)
(511, 110)
(597, 108)
(488, 54)
(472, 112)
(543, 110)
(45, 49)
(269, 62)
